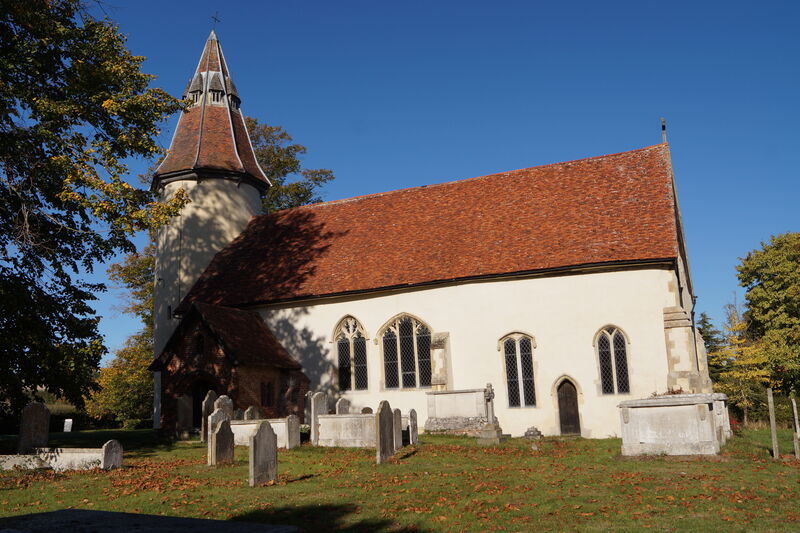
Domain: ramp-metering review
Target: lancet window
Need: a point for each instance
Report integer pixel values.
(406, 353)
(518, 353)
(351, 348)
(612, 357)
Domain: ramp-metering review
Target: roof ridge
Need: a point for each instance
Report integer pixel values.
(462, 180)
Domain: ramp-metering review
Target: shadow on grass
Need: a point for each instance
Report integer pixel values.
(322, 518)
(141, 442)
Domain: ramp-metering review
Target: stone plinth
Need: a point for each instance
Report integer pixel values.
(347, 431)
(456, 412)
(287, 431)
(680, 424)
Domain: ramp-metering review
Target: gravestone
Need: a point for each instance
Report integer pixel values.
(184, 410)
(413, 428)
(112, 455)
(490, 434)
(206, 408)
(34, 428)
(307, 408)
(319, 406)
(366, 411)
(292, 432)
(67, 425)
(226, 404)
(214, 420)
(342, 406)
(220, 443)
(252, 413)
(238, 414)
(397, 424)
(384, 432)
(263, 455)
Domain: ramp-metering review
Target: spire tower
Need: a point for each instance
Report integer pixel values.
(211, 138)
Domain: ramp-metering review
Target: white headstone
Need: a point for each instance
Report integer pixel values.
(292, 432)
(263, 455)
(112, 455)
(67, 425)
(319, 406)
(342, 406)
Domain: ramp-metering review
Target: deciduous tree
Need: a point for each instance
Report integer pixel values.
(74, 105)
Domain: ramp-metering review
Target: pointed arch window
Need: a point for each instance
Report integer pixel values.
(612, 355)
(518, 355)
(406, 345)
(351, 349)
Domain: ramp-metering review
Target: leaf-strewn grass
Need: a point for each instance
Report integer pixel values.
(443, 484)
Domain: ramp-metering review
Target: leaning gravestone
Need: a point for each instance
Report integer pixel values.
(34, 427)
(263, 455)
(252, 413)
(413, 428)
(226, 404)
(319, 406)
(384, 432)
(206, 409)
(214, 420)
(292, 432)
(342, 406)
(366, 411)
(220, 444)
(397, 424)
(67, 425)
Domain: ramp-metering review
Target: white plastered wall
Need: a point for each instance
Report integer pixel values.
(562, 313)
(218, 212)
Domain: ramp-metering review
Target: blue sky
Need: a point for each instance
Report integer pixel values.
(398, 94)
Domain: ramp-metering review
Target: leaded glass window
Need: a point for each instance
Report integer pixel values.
(351, 348)
(613, 360)
(406, 354)
(518, 352)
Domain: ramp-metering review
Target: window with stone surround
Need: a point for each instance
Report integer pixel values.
(351, 350)
(406, 343)
(612, 357)
(518, 355)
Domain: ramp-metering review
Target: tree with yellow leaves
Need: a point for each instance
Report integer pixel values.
(743, 363)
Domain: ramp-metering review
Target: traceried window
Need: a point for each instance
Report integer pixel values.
(351, 349)
(518, 353)
(406, 354)
(613, 360)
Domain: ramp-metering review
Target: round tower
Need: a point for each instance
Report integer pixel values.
(211, 158)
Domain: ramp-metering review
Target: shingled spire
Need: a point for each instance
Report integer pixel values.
(211, 139)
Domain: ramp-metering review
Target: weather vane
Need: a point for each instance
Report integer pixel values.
(215, 18)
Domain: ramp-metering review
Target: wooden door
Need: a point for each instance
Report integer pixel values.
(568, 409)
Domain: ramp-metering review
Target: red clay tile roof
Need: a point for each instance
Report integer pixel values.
(607, 209)
(212, 136)
(244, 336)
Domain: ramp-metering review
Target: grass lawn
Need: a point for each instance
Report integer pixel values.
(443, 484)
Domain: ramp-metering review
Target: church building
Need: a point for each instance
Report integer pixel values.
(566, 286)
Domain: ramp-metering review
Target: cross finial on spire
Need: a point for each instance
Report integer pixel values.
(215, 18)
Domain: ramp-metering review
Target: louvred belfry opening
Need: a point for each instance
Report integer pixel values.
(211, 138)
